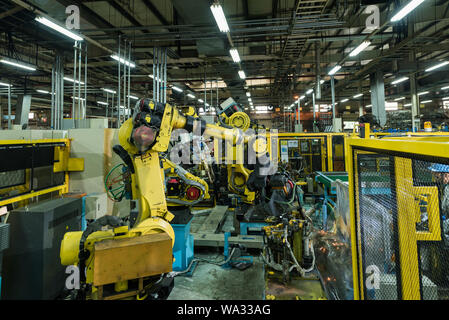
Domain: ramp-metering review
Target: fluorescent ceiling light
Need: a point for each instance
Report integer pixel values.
(248, 94)
(358, 95)
(334, 70)
(242, 74)
(344, 100)
(437, 66)
(400, 80)
(322, 81)
(360, 48)
(445, 88)
(398, 99)
(76, 98)
(446, 98)
(58, 28)
(4, 84)
(19, 65)
(426, 101)
(103, 103)
(250, 100)
(407, 105)
(206, 104)
(423, 93)
(134, 97)
(43, 91)
(309, 91)
(220, 18)
(301, 97)
(177, 89)
(191, 95)
(121, 60)
(406, 10)
(200, 100)
(108, 90)
(71, 80)
(235, 55)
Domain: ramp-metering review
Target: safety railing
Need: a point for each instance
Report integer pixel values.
(399, 205)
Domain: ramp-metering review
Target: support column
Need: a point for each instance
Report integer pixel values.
(23, 105)
(413, 83)
(378, 97)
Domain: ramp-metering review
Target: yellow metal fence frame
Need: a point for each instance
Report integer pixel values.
(64, 163)
(408, 236)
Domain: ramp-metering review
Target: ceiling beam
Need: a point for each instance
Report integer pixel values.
(155, 11)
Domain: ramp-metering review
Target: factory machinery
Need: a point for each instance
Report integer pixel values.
(149, 241)
(342, 217)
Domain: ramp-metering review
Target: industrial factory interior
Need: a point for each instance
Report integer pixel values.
(200, 151)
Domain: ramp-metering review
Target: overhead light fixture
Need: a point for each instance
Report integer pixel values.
(200, 100)
(322, 81)
(43, 91)
(121, 60)
(242, 74)
(406, 10)
(75, 81)
(407, 105)
(248, 94)
(76, 98)
(445, 88)
(16, 64)
(191, 95)
(235, 55)
(102, 103)
(398, 99)
(133, 97)
(250, 100)
(400, 80)
(437, 66)
(358, 95)
(423, 93)
(4, 84)
(344, 100)
(219, 16)
(360, 48)
(334, 70)
(108, 90)
(177, 89)
(301, 97)
(446, 98)
(58, 28)
(206, 104)
(309, 91)
(426, 101)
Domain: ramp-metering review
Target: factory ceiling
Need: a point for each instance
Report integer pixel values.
(286, 46)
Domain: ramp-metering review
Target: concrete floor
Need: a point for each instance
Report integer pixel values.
(212, 282)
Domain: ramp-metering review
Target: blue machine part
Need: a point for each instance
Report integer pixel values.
(245, 226)
(183, 248)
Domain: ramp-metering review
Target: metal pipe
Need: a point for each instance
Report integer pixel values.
(333, 101)
(124, 79)
(85, 80)
(79, 80)
(118, 80)
(9, 106)
(129, 82)
(157, 74)
(74, 78)
(52, 123)
(154, 71)
(165, 76)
